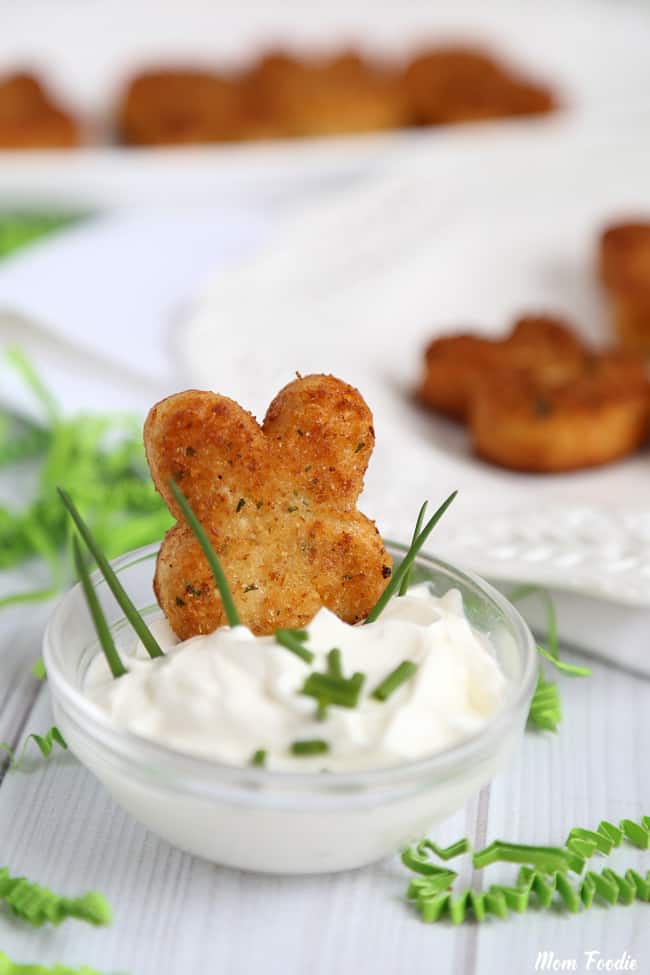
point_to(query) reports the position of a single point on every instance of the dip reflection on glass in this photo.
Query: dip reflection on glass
(230, 695)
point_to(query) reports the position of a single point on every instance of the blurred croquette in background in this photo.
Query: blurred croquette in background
(284, 94)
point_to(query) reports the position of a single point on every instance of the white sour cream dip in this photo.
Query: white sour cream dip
(226, 695)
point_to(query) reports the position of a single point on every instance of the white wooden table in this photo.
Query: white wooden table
(176, 914)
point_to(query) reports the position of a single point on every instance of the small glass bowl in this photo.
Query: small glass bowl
(282, 822)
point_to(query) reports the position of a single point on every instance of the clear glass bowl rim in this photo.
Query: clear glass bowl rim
(140, 752)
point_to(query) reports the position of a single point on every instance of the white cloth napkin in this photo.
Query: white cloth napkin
(99, 302)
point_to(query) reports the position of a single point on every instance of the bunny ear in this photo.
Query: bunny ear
(210, 446)
(320, 430)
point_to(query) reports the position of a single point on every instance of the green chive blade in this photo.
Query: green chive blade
(293, 640)
(398, 576)
(309, 746)
(104, 635)
(406, 581)
(113, 583)
(335, 663)
(259, 758)
(395, 679)
(215, 565)
(341, 691)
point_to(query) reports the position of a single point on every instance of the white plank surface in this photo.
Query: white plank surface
(175, 913)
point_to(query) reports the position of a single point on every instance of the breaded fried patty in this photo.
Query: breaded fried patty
(181, 106)
(446, 85)
(539, 399)
(29, 118)
(343, 94)
(598, 416)
(278, 503)
(284, 95)
(280, 96)
(539, 346)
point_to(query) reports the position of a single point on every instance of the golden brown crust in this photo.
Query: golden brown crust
(539, 346)
(539, 399)
(284, 95)
(631, 318)
(339, 95)
(463, 84)
(279, 96)
(454, 364)
(602, 414)
(30, 119)
(624, 270)
(278, 502)
(179, 106)
(624, 257)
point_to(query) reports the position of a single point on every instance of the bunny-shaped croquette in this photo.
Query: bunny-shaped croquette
(278, 503)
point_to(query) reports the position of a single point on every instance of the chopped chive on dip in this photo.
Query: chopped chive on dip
(309, 746)
(335, 663)
(395, 679)
(335, 690)
(293, 640)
